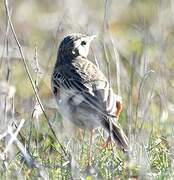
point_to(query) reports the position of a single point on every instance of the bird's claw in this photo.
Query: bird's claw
(106, 144)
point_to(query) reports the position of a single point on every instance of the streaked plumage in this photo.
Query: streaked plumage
(82, 92)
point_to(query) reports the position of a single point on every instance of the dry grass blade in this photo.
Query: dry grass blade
(29, 75)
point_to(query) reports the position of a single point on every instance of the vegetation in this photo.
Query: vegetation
(134, 44)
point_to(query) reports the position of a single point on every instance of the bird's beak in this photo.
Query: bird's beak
(92, 37)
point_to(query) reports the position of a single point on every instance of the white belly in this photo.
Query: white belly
(77, 112)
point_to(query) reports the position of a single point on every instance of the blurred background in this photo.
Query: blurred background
(134, 43)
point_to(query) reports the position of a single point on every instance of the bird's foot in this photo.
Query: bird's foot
(106, 144)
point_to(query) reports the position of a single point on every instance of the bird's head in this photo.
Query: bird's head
(74, 45)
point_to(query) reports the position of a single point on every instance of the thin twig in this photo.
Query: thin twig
(14, 136)
(147, 74)
(95, 59)
(117, 61)
(105, 20)
(7, 74)
(29, 75)
(34, 111)
(5, 39)
(13, 139)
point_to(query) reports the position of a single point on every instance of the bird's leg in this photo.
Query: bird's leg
(105, 145)
(109, 139)
(90, 149)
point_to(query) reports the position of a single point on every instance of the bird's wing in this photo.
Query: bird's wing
(86, 79)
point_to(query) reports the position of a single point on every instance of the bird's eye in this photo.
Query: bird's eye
(83, 43)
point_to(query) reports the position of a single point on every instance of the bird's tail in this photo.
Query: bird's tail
(117, 133)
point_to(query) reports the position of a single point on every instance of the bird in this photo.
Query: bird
(83, 93)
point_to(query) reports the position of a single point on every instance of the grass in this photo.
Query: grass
(136, 47)
(149, 161)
